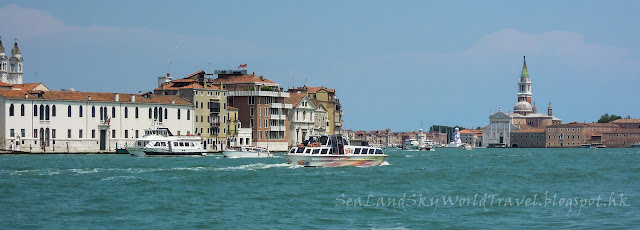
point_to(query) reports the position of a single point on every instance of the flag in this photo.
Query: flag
(242, 66)
(108, 121)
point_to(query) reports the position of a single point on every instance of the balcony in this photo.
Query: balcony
(257, 94)
(277, 128)
(277, 117)
(338, 124)
(281, 106)
(215, 124)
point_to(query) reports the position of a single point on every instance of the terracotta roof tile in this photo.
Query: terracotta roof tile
(294, 99)
(2, 84)
(231, 108)
(470, 131)
(528, 131)
(623, 131)
(312, 89)
(27, 86)
(84, 96)
(626, 121)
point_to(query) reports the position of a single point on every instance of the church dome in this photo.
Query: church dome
(522, 106)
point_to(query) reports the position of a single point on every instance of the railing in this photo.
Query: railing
(281, 106)
(257, 93)
(276, 128)
(277, 117)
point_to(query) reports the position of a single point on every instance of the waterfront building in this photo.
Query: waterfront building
(210, 103)
(261, 106)
(326, 97)
(471, 137)
(621, 138)
(321, 118)
(11, 68)
(524, 116)
(528, 138)
(576, 134)
(71, 122)
(233, 125)
(301, 118)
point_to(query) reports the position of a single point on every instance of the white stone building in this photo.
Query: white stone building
(321, 117)
(68, 121)
(301, 118)
(11, 68)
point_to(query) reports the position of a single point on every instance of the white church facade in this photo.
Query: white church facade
(524, 116)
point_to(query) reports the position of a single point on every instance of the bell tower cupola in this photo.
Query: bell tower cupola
(15, 65)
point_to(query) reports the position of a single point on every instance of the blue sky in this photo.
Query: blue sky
(394, 64)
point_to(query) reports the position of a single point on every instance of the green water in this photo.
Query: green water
(119, 191)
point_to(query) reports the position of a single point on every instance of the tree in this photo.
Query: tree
(606, 118)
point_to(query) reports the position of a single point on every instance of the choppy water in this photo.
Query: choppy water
(118, 191)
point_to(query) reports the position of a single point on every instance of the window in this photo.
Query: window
(251, 123)
(165, 113)
(11, 110)
(22, 110)
(80, 111)
(93, 133)
(252, 100)
(126, 133)
(178, 114)
(113, 133)
(259, 124)
(35, 110)
(47, 110)
(53, 110)
(136, 112)
(150, 113)
(80, 133)
(266, 124)
(41, 112)
(35, 133)
(126, 112)
(196, 104)
(93, 112)
(265, 112)
(53, 133)
(137, 133)
(69, 111)
(68, 133)
(188, 114)
(12, 133)
(113, 112)
(260, 112)
(251, 112)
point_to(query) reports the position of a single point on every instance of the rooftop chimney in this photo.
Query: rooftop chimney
(133, 98)
(117, 97)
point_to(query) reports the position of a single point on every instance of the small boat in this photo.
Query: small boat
(411, 144)
(598, 146)
(588, 146)
(246, 152)
(636, 145)
(466, 146)
(161, 142)
(333, 151)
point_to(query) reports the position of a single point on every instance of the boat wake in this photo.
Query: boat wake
(253, 167)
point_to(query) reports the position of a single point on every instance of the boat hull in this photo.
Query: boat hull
(334, 160)
(243, 154)
(162, 152)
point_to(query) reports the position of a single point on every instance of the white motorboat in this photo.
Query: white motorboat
(246, 152)
(160, 142)
(333, 151)
(411, 144)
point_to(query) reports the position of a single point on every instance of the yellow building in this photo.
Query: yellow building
(210, 103)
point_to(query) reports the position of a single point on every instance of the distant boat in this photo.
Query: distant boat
(636, 145)
(160, 142)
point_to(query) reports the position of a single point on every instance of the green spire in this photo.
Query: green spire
(525, 72)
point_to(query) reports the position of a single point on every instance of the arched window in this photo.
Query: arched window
(11, 110)
(113, 112)
(69, 111)
(35, 110)
(136, 113)
(165, 113)
(101, 113)
(155, 113)
(22, 110)
(188, 114)
(126, 112)
(150, 113)
(80, 112)
(47, 110)
(160, 114)
(93, 111)
(41, 112)
(178, 114)
(53, 110)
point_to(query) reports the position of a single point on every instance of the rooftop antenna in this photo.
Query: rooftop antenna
(169, 66)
